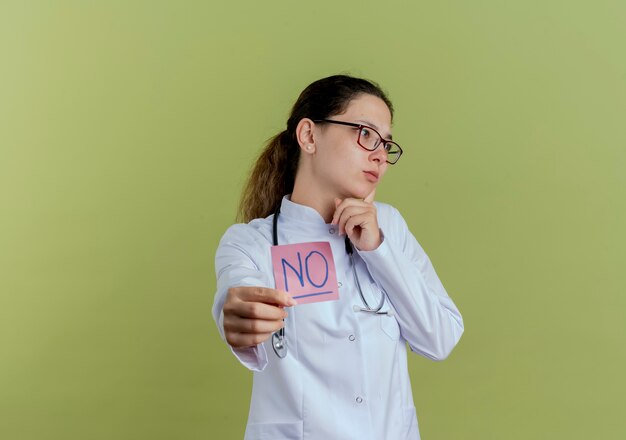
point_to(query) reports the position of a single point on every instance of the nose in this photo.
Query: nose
(379, 155)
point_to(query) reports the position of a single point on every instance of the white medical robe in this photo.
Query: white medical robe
(345, 375)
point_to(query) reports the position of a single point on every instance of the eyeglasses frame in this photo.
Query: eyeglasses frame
(360, 126)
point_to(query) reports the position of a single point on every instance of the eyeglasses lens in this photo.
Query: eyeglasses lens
(370, 140)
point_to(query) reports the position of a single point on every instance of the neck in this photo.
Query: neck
(315, 198)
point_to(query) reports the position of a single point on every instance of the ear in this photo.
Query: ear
(304, 135)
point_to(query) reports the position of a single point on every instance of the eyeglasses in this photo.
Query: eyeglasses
(370, 139)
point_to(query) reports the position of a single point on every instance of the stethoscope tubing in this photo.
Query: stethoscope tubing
(279, 343)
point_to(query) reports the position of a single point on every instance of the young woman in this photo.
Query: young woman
(332, 369)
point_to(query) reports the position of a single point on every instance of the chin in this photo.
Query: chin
(359, 193)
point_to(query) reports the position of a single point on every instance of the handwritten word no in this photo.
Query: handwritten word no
(298, 272)
(306, 271)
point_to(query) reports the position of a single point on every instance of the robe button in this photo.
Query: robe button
(351, 337)
(359, 400)
(331, 230)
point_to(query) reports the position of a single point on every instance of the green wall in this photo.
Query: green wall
(127, 129)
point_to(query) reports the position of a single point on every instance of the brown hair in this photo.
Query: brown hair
(274, 172)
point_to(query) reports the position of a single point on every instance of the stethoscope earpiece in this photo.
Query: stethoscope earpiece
(377, 312)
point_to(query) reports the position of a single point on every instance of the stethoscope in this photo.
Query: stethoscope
(279, 343)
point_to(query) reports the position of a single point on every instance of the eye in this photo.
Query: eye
(365, 133)
(388, 146)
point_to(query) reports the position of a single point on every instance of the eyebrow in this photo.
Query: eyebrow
(389, 137)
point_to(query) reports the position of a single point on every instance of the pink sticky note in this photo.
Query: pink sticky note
(306, 271)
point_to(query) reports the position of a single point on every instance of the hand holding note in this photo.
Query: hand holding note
(252, 314)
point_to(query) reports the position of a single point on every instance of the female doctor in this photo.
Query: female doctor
(332, 369)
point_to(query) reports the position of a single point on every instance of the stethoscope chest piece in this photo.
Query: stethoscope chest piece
(278, 344)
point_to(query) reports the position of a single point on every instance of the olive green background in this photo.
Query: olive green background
(127, 130)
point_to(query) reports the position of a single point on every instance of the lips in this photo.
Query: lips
(372, 176)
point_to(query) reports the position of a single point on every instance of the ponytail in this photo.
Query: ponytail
(272, 177)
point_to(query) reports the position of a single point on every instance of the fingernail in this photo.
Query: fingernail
(292, 302)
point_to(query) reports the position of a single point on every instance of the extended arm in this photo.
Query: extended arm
(247, 311)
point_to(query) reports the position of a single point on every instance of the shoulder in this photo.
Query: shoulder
(393, 225)
(387, 214)
(245, 244)
(258, 231)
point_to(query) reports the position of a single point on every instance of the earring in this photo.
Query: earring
(308, 147)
